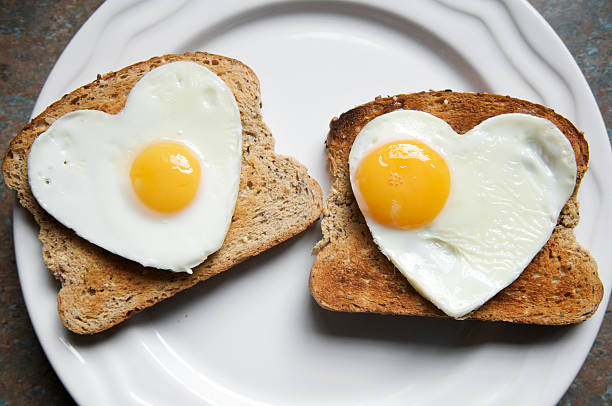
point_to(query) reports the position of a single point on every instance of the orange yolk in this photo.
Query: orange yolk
(404, 184)
(165, 176)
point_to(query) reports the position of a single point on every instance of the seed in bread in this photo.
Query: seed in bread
(276, 200)
(350, 273)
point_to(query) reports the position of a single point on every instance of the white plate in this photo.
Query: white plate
(253, 335)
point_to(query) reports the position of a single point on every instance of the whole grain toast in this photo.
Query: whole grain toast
(560, 286)
(276, 200)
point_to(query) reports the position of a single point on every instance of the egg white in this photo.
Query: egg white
(79, 168)
(510, 177)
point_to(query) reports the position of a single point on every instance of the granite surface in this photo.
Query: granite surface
(32, 36)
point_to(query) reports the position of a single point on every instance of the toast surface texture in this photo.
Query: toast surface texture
(560, 286)
(277, 199)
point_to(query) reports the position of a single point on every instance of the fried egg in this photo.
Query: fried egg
(157, 182)
(461, 216)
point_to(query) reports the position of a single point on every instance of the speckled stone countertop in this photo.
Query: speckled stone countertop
(32, 36)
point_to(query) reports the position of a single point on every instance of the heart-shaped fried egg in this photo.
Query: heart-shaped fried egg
(157, 182)
(461, 216)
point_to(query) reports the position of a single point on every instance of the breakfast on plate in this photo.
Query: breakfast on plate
(151, 179)
(163, 174)
(457, 205)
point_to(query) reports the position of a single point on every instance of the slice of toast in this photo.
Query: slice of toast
(560, 286)
(276, 200)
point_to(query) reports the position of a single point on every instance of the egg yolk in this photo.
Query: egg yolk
(165, 176)
(404, 184)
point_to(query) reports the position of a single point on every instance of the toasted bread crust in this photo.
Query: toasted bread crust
(560, 286)
(276, 200)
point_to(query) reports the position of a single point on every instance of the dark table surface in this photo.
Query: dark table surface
(32, 36)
